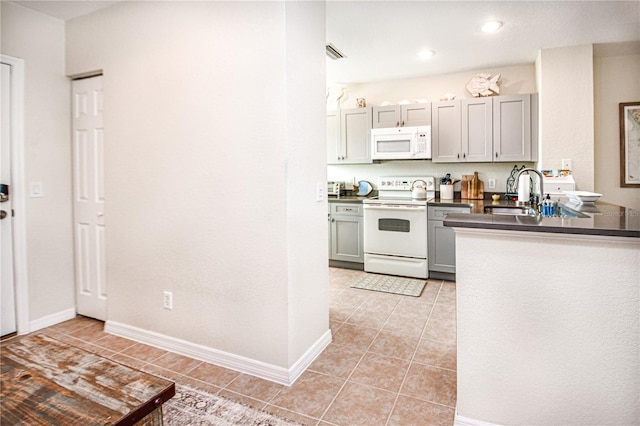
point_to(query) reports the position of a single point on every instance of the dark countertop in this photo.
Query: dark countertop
(349, 198)
(346, 199)
(603, 219)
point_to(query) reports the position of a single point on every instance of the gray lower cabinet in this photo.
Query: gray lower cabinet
(441, 239)
(346, 242)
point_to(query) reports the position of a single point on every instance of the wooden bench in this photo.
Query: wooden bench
(48, 382)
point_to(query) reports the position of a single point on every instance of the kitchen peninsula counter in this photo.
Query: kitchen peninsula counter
(548, 323)
(603, 219)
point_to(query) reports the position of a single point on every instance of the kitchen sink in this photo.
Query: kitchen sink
(561, 211)
(511, 210)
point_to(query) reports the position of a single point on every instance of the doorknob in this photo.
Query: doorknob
(3, 214)
(4, 193)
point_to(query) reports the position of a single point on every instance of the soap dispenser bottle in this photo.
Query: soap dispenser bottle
(548, 207)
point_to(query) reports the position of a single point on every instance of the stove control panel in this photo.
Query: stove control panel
(403, 183)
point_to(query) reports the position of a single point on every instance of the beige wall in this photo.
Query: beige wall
(211, 173)
(616, 75)
(514, 79)
(39, 40)
(567, 111)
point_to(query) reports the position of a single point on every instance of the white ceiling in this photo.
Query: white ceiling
(65, 9)
(381, 39)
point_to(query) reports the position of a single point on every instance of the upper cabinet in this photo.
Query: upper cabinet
(333, 137)
(514, 128)
(446, 128)
(349, 136)
(477, 131)
(401, 115)
(500, 128)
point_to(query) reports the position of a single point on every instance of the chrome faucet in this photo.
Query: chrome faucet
(539, 178)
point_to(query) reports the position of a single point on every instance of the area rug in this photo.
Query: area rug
(194, 407)
(390, 284)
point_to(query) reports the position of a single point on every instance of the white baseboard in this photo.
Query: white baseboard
(53, 319)
(224, 359)
(466, 421)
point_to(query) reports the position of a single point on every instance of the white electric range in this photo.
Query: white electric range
(395, 227)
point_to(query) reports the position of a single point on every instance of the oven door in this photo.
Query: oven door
(395, 230)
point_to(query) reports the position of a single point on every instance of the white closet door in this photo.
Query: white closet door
(89, 203)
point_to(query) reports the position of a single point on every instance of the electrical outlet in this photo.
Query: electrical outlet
(167, 300)
(492, 184)
(566, 164)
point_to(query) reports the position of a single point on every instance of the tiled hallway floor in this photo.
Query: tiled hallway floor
(392, 361)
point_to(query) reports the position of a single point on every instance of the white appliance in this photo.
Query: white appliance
(401, 143)
(395, 228)
(556, 186)
(334, 188)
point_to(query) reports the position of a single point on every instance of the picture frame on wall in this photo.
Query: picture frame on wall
(629, 144)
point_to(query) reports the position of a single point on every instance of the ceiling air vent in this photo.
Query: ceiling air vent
(333, 52)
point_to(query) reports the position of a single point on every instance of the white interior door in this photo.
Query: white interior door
(88, 180)
(7, 293)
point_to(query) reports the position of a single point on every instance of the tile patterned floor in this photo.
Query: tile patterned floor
(392, 361)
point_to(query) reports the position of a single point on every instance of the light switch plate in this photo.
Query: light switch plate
(35, 190)
(320, 189)
(566, 164)
(492, 184)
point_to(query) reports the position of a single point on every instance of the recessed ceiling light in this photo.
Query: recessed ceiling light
(426, 54)
(491, 26)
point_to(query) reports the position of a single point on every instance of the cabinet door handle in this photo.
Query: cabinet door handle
(397, 124)
(464, 155)
(496, 155)
(403, 123)
(458, 155)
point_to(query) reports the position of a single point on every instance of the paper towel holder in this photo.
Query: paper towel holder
(541, 183)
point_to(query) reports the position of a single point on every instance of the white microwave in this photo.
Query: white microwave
(401, 143)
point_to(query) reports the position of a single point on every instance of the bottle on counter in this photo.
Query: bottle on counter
(548, 207)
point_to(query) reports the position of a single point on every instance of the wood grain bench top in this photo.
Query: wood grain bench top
(47, 382)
